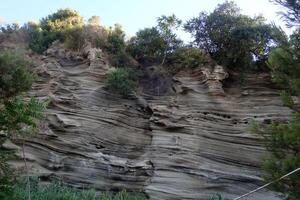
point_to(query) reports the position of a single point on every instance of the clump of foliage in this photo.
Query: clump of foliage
(18, 116)
(10, 28)
(15, 76)
(37, 40)
(121, 59)
(284, 63)
(154, 45)
(74, 38)
(6, 174)
(147, 46)
(283, 139)
(61, 20)
(115, 45)
(115, 40)
(119, 81)
(287, 99)
(216, 197)
(187, 57)
(53, 27)
(166, 26)
(57, 190)
(292, 14)
(232, 39)
(283, 142)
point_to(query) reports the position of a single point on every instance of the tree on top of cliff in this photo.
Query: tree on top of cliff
(153, 45)
(147, 46)
(231, 38)
(166, 26)
(53, 27)
(62, 19)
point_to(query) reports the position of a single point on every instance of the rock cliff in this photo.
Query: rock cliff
(192, 141)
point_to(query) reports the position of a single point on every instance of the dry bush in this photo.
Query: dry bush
(77, 37)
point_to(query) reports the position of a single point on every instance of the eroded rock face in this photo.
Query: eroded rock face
(193, 143)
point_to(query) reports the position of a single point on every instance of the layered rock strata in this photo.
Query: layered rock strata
(189, 144)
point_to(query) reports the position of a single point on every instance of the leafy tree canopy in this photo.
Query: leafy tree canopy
(166, 26)
(233, 39)
(147, 46)
(283, 139)
(153, 45)
(62, 19)
(292, 15)
(284, 62)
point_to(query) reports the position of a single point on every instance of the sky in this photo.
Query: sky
(133, 15)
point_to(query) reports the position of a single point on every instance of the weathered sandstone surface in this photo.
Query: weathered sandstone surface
(188, 142)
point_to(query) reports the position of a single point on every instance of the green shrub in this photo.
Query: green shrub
(287, 99)
(282, 141)
(59, 191)
(19, 115)
(37, 41)
(6, 173)
(15, 75)
(216, 197)
(254, 127)
(121, 59)
(120, 82)
(187, 57)
(114, 41)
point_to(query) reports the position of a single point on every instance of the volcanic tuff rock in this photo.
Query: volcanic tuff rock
(191, 143)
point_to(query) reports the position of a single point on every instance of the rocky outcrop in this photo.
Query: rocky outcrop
(192, 143)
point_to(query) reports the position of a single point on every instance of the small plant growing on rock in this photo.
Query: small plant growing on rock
(287, 99)
(119, 81)
(216, 197)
